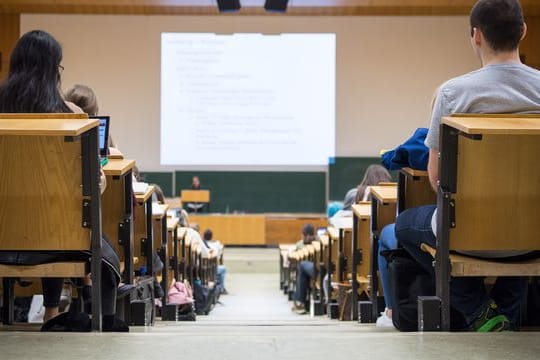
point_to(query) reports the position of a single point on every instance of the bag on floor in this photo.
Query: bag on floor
(179, 294)
(69, 322)
(37, 310)
(533, 303)
(204, 298)
(408, 280)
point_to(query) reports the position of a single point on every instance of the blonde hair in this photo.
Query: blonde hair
(83, 97)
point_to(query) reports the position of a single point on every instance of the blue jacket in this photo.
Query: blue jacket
(412, 153)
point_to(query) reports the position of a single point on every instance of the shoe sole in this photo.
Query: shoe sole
(495, 324)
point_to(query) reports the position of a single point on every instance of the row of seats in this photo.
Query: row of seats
(497, 211)
(51, 201)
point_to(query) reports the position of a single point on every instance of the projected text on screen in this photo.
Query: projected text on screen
(247, 99)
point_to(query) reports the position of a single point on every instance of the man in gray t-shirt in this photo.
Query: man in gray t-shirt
(502, 85)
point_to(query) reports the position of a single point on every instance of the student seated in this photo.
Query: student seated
(387, 241)
(306, 271)
(85, 98)
(373, 175)
(32, 86)
(502, 85)
(216, 247)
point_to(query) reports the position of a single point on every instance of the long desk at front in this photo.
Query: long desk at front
(233, 229)
(257, 229)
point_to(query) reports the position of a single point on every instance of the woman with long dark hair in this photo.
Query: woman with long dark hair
(33, 86)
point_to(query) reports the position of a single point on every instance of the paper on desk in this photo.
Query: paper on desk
(340, 222)
(157, 209)
(140, 187)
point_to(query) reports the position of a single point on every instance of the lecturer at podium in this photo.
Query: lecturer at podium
(194, 207)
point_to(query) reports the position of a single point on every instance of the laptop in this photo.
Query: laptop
(103, 138)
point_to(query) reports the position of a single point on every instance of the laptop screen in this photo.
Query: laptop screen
(103, 134)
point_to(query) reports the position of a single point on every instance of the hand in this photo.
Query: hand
(102, 181)
(115, 151)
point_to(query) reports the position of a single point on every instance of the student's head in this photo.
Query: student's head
(308, 233)
(195, 227)
(500, 22)
(84, 97)
(208, 235)
(136, 173)
(195, 182)
(374, 174)
(159, 194)
(184, 218)
(350, 199)
(33, 81)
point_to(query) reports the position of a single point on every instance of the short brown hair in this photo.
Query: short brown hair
(83, 97)
(500, 21)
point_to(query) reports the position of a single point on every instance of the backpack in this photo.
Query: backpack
(179, 294)
(408, 280)
(532, 314)
(204, 298)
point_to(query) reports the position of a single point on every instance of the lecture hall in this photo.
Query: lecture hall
(278, 179)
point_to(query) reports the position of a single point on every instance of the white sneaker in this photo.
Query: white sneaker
(384, 321)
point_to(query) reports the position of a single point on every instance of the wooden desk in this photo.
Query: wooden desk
(233, 229)
(414, 189)
(486, 177)
(172, 246)
(50, 195)
(361, 251)
(332, 257)
(317, 300)
(144, 237)
(117, 211)
(287, 228)
(117, 215)
(188, 258)
(383, 212)
(160, 225)
(284, 250)
(160, 243)
(344, 243)
(174, 203)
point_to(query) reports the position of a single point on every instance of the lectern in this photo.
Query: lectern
(195, 200)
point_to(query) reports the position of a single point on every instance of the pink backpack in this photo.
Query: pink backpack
(180, 294)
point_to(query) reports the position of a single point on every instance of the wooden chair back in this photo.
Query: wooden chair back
(497, 197)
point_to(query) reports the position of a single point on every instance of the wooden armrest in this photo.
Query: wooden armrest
(362, 279)
(428, 249)
(60, 269)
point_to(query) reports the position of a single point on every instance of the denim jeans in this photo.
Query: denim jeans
(387, 241)
(221, 272)
(467, 294)
(306, 271)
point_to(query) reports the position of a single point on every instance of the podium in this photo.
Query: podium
(195, 200)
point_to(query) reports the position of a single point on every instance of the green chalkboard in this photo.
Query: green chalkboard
(346, 173)
(163, 179)
(258, 192)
